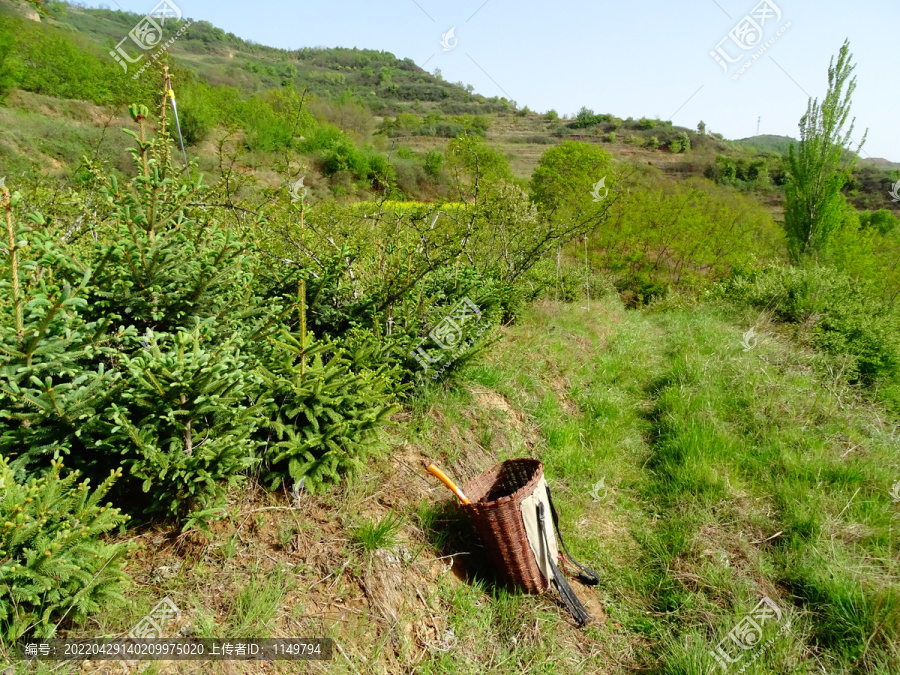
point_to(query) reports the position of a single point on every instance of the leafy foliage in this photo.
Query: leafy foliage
(63, 65)
(818, 170)
(843, 317)
(663, 233)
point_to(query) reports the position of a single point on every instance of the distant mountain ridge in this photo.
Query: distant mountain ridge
(782, 144)
(768, 143)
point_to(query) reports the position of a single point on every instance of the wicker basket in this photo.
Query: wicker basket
(496, 496)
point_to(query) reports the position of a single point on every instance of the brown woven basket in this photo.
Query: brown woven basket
(496, 496)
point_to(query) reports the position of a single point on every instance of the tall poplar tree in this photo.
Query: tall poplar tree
(821, 164)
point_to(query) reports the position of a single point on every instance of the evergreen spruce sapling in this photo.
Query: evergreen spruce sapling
(54, 379)
(323, 416)
(53, 561)
(184, 423)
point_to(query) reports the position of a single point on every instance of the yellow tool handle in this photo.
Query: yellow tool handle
(441, 476)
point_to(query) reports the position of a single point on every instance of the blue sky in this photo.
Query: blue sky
(626, 58)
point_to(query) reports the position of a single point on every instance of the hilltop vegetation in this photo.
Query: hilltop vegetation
(382, 82)
(250, 355)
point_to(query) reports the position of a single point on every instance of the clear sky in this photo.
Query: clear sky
(628, 58)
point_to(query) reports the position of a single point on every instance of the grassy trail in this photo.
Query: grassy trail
(728, 475)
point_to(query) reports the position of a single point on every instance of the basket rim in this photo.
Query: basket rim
(532, 482)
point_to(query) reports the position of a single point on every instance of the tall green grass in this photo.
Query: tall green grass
(733, 475)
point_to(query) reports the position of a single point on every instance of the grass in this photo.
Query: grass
(372, 535)
(731, 476)
(734, 476)
(256, 605)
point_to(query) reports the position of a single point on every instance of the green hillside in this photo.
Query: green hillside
(767, 143)
(231, 341)
(382, 82)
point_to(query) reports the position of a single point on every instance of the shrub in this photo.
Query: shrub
(640, 289)
(726, 169)
(408, 121)
(51, 392)
(690, 230)
(381, 173)
(321, 138)
(53, 562)
(758, 170)
(77, 379)
(410, 176)
(448, 129)
(585, 118)
(434, 161)
(62, 64)
(324, 416)
(183, 424)
(545, 280)
(267, 131)
(843, 316)
(471, 154)
(883, 221)
(345, 156)
(565, 176)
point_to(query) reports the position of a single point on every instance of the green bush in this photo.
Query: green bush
(9, 75)
(54, 379)
(53, 561)
(843, 316)
(267, 131)
(585, 118)
(62, 64)
(705, 231)
(183, 425)
(321, 138)
(324, 416)
(198, 114)
(130, 352)
(345, 156)
(883, 221)
(434, 161)
(545, 280)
